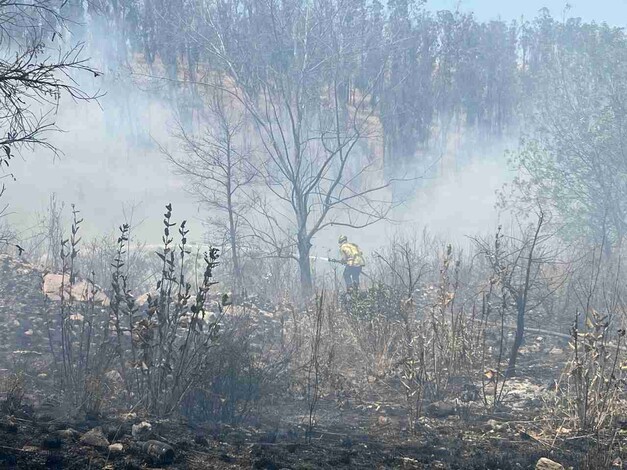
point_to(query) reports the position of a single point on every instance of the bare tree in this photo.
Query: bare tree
(320, 170)
(6, 234)
(518, 266)
(34, 74)
(218, 162)
(33, 77)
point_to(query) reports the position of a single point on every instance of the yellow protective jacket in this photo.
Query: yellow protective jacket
(352, 255)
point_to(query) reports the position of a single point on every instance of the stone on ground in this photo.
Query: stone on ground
(548, 464)
(95, 438)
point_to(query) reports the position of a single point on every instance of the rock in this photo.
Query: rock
(494, 425)
(141, 431)
(94, 438)
(116, 448)
(67, 433)
(548, 464)
(80, 291)
(114, 376)
(143, 299)
(158, 452)
(563, 431)
(441, 409)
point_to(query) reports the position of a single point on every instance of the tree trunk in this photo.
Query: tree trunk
(237, 272)
(521, 297)
(303, 240)
(518, 338)
(304, 265)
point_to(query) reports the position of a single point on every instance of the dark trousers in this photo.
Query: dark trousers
(351, 277)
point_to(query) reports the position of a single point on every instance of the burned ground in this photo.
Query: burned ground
(352, 426)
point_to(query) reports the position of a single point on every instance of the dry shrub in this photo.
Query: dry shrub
(374, 320)
(172, 341)
(592, 383)
(238, 376)
(84, 353)
(13, 391)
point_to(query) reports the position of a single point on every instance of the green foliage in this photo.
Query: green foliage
(574, 162)
(171, 345)
(378, 301)
(161, 351)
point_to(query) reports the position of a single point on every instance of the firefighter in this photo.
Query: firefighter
(353, 260)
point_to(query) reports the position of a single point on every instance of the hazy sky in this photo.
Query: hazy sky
(611, 11)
